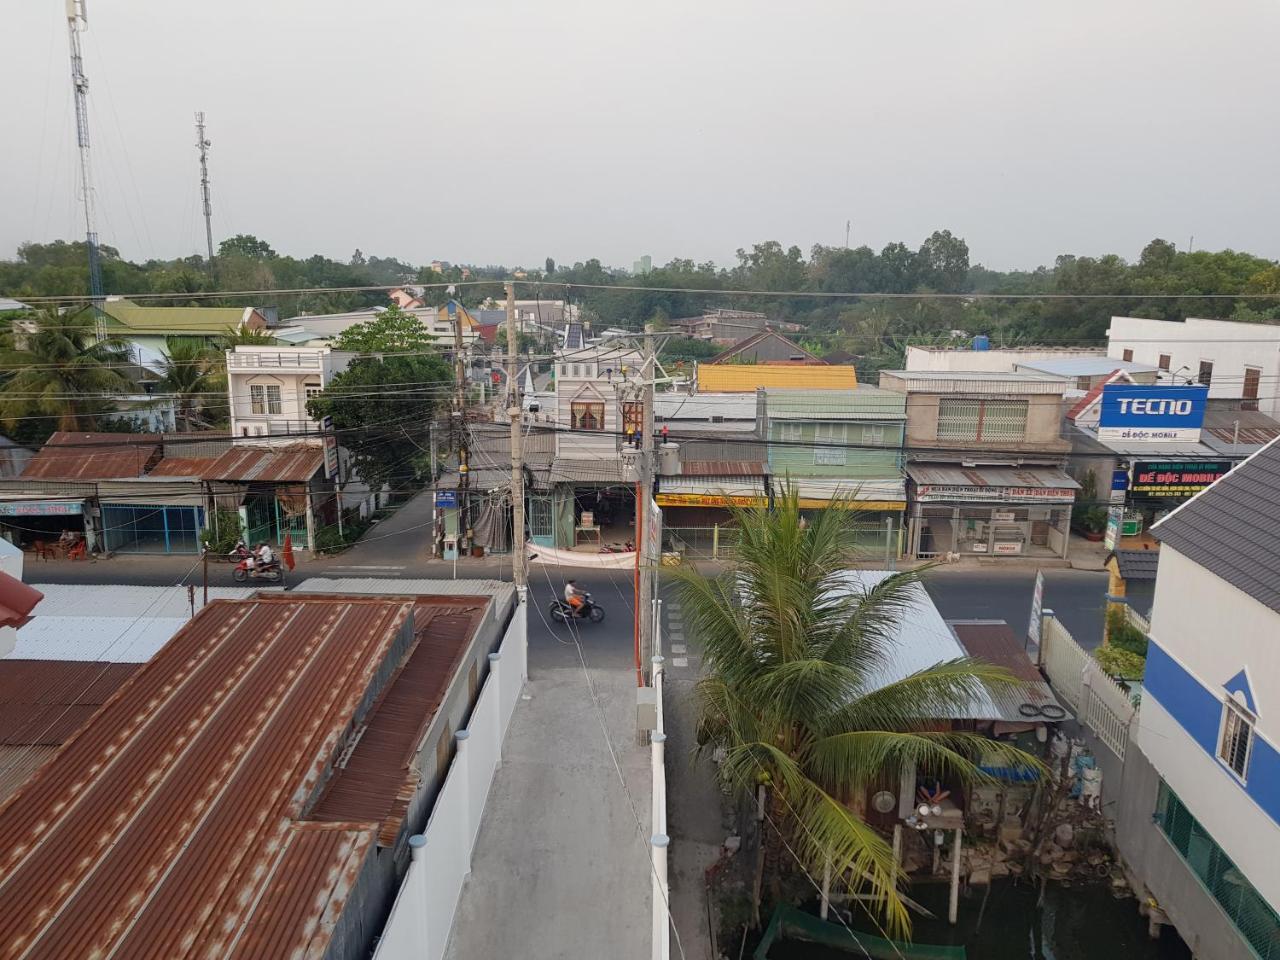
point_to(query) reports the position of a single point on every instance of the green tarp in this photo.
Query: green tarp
(788, 923)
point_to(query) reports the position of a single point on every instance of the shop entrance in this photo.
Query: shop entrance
(151, 528)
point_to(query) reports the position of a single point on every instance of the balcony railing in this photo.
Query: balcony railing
(274, 361)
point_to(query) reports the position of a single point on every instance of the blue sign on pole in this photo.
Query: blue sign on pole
(1141, 412)
(446, 498)
(1119, 480)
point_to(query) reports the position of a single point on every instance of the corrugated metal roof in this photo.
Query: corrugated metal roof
(114, 639)
(994, 642)
(757, 338)
(679, 407)
(1095, 366)
(565, 470)
(190, 320)
(1232, 527)
(295, 463)
(740, 377)
(954, 475)
(91, 456)
(369, 786)
(972, 382)
(723, 468)
(87, 602)
(156, 831)
(183, 467)
(44, 702)
(864, 403)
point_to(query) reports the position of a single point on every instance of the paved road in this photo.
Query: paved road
(1077, 597)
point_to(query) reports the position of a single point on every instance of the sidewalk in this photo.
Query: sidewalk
(561, 867)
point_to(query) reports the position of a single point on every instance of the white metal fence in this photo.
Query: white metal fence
(658, 815)
(420, 921)
(1098, 701)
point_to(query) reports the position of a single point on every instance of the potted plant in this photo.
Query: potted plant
(1094, 523)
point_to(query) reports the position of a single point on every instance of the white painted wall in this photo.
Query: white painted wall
(1248, 835)
(293, 370)
(997, 361)
(1228, 345)
(1213, 629)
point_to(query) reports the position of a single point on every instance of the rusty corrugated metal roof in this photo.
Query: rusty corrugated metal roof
(370, 785)
(723, 468)
(994, 642)
(157, 830)
(91, 456)
(183, 467)
(45, 701)
(296, 463)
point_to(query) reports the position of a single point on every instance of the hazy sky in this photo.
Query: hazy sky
(494, 131)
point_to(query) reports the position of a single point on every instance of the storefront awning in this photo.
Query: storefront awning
(816, 493)
(684, 491)
(947, 484)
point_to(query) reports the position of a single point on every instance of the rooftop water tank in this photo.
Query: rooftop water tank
(982, 342)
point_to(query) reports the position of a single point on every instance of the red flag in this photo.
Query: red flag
(287, 551)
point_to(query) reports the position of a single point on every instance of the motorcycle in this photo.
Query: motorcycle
(562, 612)
(248, 569)
(239, 552)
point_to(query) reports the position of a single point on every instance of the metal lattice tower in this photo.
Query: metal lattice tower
(203, 144)
(76, 24)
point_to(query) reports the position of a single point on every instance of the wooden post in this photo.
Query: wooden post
(953, 908)
(897, 845)
(826, 889)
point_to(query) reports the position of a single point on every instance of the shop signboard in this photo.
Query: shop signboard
(331, 462)
(1115, 516)
(939, 492)
(1037, 609)
(1175, 478)
(41, 508)
(1007, 546)
(1144, 413)
(708, 500)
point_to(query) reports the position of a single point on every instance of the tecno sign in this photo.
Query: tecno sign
(1155, 408)
(1143, 413)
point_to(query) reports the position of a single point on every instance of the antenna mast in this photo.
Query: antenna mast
(202, 144)
(77, 22)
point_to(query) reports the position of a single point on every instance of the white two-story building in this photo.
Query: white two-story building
(1236, 361)
(1209, 724)
(268, 387)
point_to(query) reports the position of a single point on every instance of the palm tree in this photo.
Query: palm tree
(57, 367)
(790, 696)
(189, 371)
(245, 335)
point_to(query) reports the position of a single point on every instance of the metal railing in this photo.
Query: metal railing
(275, 361)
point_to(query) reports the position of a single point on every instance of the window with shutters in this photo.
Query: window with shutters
(1249, 396)
(1128, 355)
(827, 444)
(873, 434)
(789, 432)
(981, 420)
(1165, 361)
(1237, 738)
(1206, 373)
(257, 398)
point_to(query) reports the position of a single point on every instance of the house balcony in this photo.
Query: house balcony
(272, 361)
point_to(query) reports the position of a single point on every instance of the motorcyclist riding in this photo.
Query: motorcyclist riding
(573, 596)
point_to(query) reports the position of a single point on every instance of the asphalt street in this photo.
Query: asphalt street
(1077, 597)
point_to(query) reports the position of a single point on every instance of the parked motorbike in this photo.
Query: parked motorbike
(562, 612)
(257, 571)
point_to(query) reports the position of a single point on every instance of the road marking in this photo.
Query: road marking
(679, 661)
(679, 648)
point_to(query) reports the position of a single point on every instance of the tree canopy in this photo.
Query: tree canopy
(392, 330)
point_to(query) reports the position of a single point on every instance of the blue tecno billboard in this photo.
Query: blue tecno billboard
(1138, 412)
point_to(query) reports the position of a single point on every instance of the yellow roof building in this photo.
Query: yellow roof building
(742, 377)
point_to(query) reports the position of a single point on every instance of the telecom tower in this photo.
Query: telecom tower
(77, 22)
(203, 146)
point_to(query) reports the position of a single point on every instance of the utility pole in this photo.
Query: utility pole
(460, 423)
(519, 553)
(76, 24)
(203, 144)
(645, 561)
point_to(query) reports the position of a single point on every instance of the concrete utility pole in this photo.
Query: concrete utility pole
(460, 423)
(519, 554)
(646, 562)
(203, 144)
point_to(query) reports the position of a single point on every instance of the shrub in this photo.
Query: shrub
(1124, 635)
(1120, 663)
(228, 527)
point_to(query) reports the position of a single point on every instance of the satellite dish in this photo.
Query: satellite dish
(884, 802)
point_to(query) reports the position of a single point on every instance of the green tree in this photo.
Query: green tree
(63, 371)
(246, 245)
(392, 330)
(190, 372)
(236, 336)
(943, 262)
(382, 406)
(791, 654)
